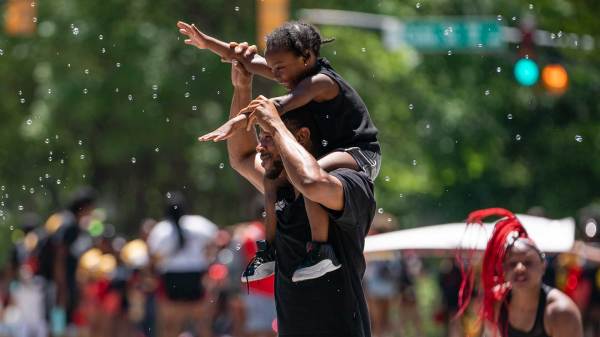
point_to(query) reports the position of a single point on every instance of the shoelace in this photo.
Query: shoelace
(256, 259)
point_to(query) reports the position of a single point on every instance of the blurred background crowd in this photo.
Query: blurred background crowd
(71, 273)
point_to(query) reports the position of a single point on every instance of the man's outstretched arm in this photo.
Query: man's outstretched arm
(241, 147)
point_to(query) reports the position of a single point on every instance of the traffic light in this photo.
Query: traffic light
(555, 78)
(270, 15)
(20, 17)
(527, 72)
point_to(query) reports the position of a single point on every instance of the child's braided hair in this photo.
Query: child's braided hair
(297, 37)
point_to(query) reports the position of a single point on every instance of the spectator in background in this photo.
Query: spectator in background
(179, 247)
(68, 241)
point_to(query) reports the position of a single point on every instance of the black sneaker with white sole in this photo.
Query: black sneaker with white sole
(262, 264)
(320, 259)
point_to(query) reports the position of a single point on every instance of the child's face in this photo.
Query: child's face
(287, 67)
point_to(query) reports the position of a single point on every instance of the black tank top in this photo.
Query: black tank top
(343, 121)
(538, 327)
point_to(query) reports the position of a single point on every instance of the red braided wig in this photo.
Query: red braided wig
(506, 231)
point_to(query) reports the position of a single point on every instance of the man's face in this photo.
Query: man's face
(523, 267)
(269, 156)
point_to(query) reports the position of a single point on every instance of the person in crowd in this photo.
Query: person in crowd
(179, 246)
(515, 302)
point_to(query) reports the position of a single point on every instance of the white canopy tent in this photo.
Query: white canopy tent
(552, 236)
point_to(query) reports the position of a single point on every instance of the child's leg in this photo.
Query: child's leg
(317, 216)
(338, 159)
(318, 219)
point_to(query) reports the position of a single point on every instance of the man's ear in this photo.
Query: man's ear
(303, 137)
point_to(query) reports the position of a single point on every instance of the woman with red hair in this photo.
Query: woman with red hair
(515, 301)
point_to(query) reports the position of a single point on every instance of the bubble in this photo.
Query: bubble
(518, 137)
(509, 116)
(410, 106)
(11, 227)
(103, 50)
(194, 108)
(46, 175)
(414, 162)
(118, 64)
(58, 182)
(418, 5)
(499, 17)
(167, 119)
(264, 214)
(530, 6)
(553, 36)
(514, 18)
(380, 211)
(68, 65)
(49, 158)
(82, 156)
(335, 52)
(168, 195)
(133, 160)
(85, 91)
(154, 87)
(75, 31)
(130, 97)
(449, 52)
(116, 89)
(387, 178)
(237, 8)
(203, 69)
(22, 100)
(49, 91)
(218, 92)
(29, 122)
(479, 45)
(35, 19)
(100, 37)
(1, 52)
(193, 77)
(578, 138)
(221, 165)
(47, 141)
(156, 149)
(2, 187)
(31, 190)
(33, 4)
(324, 143)
(23, 187)
(498, 69)
(487, 92)
(154, 96)
(363, 49)
(62, 161)
(1, 213)
(186, 95)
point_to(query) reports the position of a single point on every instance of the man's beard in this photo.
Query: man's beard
(274, 171)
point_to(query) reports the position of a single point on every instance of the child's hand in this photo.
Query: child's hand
(226, 130)
(195, 36)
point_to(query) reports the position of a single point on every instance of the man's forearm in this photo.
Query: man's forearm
(302, 168)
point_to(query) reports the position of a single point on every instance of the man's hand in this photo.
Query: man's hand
(263, 112)
(195, 37)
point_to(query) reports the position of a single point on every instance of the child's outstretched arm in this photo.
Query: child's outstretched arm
(318, 88)
(257, 64)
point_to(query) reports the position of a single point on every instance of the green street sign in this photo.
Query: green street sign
(450, 34)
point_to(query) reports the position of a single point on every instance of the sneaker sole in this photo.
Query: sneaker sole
(267, 270)
(317, 271)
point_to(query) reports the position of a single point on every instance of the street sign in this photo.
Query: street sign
(447, 34)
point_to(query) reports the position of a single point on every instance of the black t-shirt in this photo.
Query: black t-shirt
(334, 304)
(343, 121)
